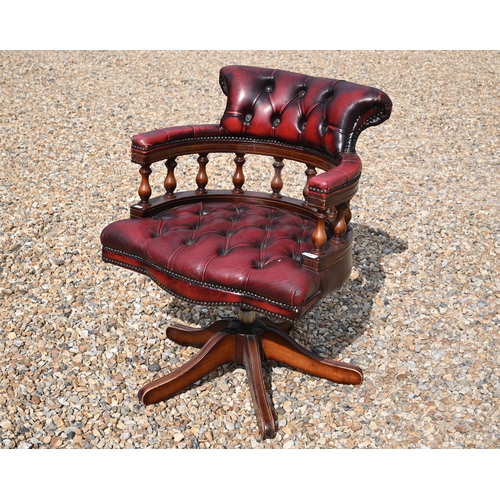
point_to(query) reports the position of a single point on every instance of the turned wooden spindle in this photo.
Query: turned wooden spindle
(202, 177)
(277, 182)
(310, 172)
(145, 188)
(340, 225)
(170, 183)
(238, 177)
(348, 213)
(319, 236)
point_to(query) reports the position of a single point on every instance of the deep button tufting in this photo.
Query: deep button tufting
(273, 215)
(248, 118)
(269, 227)
(207, 258)
(299, 238)
(276, 121)
(165, 216)
(323, 127)
(262, 244)
(262, 92)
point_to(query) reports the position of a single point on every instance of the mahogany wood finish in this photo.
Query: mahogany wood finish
(230, 341)
(259, 251)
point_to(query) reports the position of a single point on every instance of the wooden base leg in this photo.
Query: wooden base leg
(253, 365)
(280, 347)
(231, 341)
(195, 337)
(218, 351)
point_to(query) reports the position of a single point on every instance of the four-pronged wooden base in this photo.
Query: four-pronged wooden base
(233, 341)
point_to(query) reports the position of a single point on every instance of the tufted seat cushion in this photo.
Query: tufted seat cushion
(221, 252)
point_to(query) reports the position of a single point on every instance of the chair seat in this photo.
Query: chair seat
(223, 252)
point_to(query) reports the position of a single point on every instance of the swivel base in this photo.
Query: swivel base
(248, 344)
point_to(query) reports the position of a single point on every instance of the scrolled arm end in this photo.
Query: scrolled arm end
(339, 178)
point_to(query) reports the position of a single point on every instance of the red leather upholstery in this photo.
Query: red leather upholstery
(250, 252)
(348, 170)
(271, 106)
(320, 113)
(157, 139)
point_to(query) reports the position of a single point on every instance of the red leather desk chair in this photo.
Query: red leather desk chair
(263, 252)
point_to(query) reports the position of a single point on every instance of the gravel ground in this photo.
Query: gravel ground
(420, 315)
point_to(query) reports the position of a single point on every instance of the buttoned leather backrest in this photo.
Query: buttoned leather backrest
(320, 113)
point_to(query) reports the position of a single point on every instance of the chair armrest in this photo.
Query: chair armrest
(345, 174)
(156, 140)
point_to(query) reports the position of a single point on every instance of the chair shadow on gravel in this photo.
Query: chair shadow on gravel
(345, 313)
(342, 317)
